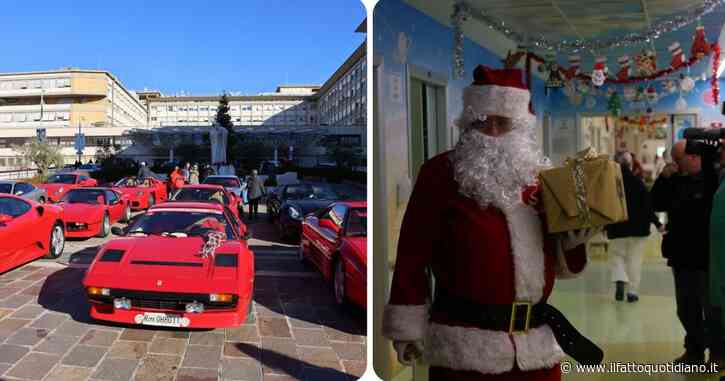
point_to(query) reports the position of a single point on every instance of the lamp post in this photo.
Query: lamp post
(80, 140)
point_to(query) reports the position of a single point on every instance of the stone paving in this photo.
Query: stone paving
(295, 333)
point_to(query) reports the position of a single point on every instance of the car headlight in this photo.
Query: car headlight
(98, 291)
(294, 213)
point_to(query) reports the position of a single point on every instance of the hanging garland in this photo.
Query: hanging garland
(577, 45)
(715, 49)
(715, 86)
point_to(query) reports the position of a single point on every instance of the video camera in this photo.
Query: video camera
(696, 138)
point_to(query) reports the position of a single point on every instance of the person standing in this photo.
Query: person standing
(186, 172)
(144, 172)
(255, 192)
(473, 221)
(176, 180)
(194, 175)
(628, 238)
(684, 190)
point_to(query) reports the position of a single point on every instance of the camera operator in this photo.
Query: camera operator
(685, 190)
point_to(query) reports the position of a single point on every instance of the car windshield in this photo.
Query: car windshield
(6, 188)
(62, 179)
(180, 224)
(200, 194)
(130, 182)
(84, 196)
(357, 224)
(223, 181)
(300, 192)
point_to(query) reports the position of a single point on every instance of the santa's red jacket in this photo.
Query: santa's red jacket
(488, 256)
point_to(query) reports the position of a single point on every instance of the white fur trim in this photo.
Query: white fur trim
(537, 349)
(405, 322)
(503, 101)
(527, 244)
(490, 352)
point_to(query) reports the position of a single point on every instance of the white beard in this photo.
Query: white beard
(494, 170)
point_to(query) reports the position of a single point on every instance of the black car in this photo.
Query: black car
(291, 203)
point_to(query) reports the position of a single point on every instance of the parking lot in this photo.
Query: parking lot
(296, 331)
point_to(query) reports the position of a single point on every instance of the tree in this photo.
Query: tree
(43, 155)
(223, 119)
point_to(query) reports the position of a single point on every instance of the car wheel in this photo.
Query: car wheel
(56, 244)
(105, 227)
(339, 282)
(127, 214)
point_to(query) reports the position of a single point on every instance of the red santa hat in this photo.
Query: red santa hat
(500, 92)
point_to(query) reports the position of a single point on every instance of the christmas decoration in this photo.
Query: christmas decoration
(461, 12)
(646, 63)
(577, 45)
(614, 104)
(700, 47)
(686, 83)
(678, 57)
(651, 94)
(550, 66)
(573, 71)
(512, 60)
(599, 74)
(624, 71)
(629, 93)
(670, 86)
(714, 85)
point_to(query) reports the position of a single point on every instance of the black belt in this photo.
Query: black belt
(517, 318)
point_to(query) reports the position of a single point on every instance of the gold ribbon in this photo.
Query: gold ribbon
(580, 190)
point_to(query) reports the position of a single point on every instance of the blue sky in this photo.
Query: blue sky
(200, 47)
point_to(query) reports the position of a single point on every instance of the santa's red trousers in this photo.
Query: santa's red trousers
(445, 374)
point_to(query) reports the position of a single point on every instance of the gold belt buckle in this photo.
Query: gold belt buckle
(512, 324)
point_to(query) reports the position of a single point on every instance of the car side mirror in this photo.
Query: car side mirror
(40, 210)
(117, 230)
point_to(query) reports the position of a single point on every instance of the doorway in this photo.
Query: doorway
(427, 117)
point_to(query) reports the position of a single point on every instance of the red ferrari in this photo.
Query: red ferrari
(335, 241)
(141, 194)
(28, 231)
(209, 192)
(91, 211)
(60, 183)
(181, 264)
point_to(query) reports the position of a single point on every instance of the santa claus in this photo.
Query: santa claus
(473, 221)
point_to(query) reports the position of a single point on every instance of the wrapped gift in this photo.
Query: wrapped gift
(586, 192)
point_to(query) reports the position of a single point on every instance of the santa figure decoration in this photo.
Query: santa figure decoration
(473, 220)
(599, 74)
(651, 94)
(700, 48)
(573, 70)
(624, 70)
(678, 57)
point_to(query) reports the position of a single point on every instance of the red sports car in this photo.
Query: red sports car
(335, 241)
(91, 211)
(209, 192)
(60, 183)
(181, 264)
(142, 194)
(28, 231)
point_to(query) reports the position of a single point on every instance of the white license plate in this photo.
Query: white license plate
(162, 319)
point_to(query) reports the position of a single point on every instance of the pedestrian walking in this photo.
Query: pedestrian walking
(194, 175)
(186, 172)
(628, 238)
(255, 192)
